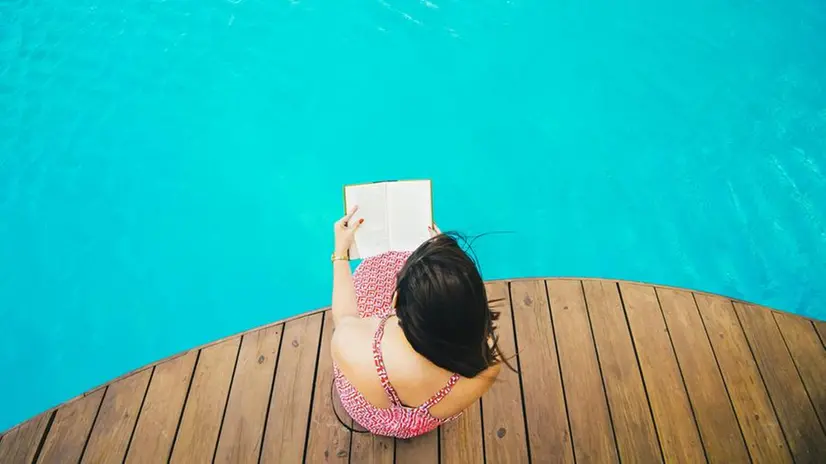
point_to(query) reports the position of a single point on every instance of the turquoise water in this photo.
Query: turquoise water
(170, 170)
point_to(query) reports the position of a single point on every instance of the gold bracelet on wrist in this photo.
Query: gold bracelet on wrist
(337, 257)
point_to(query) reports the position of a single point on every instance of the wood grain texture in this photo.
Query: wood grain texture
(418, 450)
(801, 427)
(631, 416)
(754, 410)
(286, 432)
(70, 429)
(809, 357)
(162, 407)
(329, 440)
(462, 438)
(591, 429)
(701, 359)
(246, 412)
(116, 419)
(505, 440)
(372, 449)
(19, 445)
(544, 399)
(204, 408)
(719, 429)
(667, 395)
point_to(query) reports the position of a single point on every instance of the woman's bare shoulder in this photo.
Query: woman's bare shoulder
(483, 381)
(352, 340)
(466, 392)
(352, 351)
(492, 372)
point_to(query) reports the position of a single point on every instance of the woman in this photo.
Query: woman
(414, 342)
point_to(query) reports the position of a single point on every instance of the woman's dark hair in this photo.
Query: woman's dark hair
(443, 308)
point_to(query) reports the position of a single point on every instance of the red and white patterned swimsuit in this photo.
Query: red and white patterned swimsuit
(375, 281)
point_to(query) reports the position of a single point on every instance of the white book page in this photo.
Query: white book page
(372, 237)
(410, 211)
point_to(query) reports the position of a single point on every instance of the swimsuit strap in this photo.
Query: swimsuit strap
(385, 380)
(440, 395)
(379, 361)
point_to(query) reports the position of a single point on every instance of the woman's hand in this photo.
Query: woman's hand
(434, 230)
(345, 232)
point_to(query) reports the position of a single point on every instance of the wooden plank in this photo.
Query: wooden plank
(821, 330)
(545, 408)
(204, 408)
(591, 429)
(713, 410)
(19, 445)
(808, 355)
(630, 413)
(246, 412)
(372, 449)
(116, 419)
(797, 416)
(755, 414)
(419, 450)
(328, 441)
(158, 419)
(70, 429)
(679, 438)
(505, 439)
(286, 431)
(461, 439)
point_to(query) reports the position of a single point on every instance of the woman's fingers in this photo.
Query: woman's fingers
(343, 221)
(351, 212)
(434, 230)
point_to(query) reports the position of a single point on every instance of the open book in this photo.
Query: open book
(396, 216)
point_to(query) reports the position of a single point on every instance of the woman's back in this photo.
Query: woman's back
(385, 384)
(414, 379)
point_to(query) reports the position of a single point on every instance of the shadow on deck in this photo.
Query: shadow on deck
(609, 371)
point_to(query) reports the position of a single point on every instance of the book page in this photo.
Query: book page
(372, 237)
(410, 212)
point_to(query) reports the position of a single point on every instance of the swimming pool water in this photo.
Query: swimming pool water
(169, 170)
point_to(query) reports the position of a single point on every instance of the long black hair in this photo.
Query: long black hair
(443, 308)
(444, 311)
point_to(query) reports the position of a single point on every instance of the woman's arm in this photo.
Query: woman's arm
(344, 292)
(345, 303)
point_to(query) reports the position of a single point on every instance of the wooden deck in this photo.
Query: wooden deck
(609, 372)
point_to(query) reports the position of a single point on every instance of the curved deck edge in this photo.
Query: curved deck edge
(323, 309)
